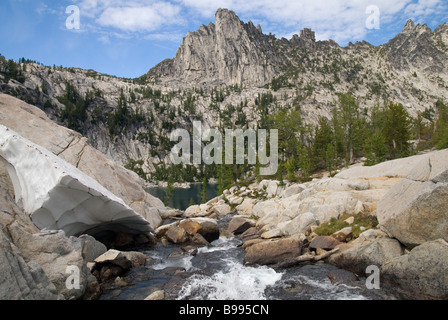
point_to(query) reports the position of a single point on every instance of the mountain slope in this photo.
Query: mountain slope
(221, 73)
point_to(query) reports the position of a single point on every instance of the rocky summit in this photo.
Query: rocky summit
(229, 51)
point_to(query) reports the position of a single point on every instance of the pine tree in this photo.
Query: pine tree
(376, 150)
(225, 177)
(330, 158)
(397, 130)
(323, 145)
(169, 191)
(440, 137)
(204, 190)
(291, 168)
(348, 114)
(192, 202)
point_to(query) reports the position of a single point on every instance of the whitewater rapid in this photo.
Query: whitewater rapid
(233, 282)
(217, 272)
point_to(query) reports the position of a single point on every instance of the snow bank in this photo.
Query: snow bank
(59, 196)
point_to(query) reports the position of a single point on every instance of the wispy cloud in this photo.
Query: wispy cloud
(165, 36)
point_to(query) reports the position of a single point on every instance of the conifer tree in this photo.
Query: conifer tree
(204, 190)
(440, 137)
(397, 130)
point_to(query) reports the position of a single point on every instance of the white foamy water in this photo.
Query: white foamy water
(235, 282)
(182, 262)
(323, 289)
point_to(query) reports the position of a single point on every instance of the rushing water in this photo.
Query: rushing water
(225, 277)
(217, 273)
(182, 198)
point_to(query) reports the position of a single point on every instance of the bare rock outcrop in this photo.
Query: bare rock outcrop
(228, 52)
(422, 272)
(414, 210)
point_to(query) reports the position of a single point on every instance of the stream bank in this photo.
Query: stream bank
(218, 272)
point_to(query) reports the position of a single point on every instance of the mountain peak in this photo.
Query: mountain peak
(409, 26)
(223, 13)
(228, 52)
(228, 22)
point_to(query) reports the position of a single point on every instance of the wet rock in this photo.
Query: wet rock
(156, 295)
(93, 289)
(342, 277)
(274, 251)
(178, 253)
(161, 231)
(200, 240)
(116, 258)
(108, 272)
(137, 258)
(119, 282)
(240, 224)
(209, 228)
(176, 235)
(190, 226)
(251, 232)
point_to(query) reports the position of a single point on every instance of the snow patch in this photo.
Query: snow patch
(58, 196)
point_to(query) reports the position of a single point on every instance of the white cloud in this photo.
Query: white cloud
(423, 9)
(131, 16)
(140, 18)
(340, 20)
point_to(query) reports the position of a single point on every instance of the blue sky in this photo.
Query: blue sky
(127, 38)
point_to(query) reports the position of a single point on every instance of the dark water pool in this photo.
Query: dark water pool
(182, 198)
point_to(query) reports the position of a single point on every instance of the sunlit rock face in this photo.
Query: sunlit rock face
(58, 196)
